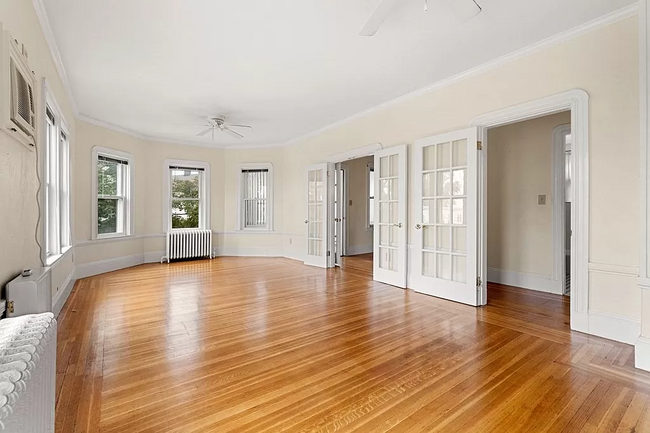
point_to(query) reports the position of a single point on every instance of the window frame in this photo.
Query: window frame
(369, 168)
(204, 193)
(55, 191)
(129, 217)
(241, 226)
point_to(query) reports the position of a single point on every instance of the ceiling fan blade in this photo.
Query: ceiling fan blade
(231, 132)
(464, 10)
(378, 17)
(202, 133)
(239, 126)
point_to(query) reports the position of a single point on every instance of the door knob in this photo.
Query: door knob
(398, 225)
(418, 226)
(306, 221)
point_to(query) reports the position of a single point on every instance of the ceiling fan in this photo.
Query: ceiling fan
(219, 124)
(464, 10)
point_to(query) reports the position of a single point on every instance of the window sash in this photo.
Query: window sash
(201, 223)
(56, 174)
(255, 184)
(121, 197)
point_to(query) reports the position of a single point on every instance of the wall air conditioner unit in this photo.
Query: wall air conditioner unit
(18, 105)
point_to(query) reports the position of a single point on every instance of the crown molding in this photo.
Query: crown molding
(557, 39)
(39, 8)
(151, 138)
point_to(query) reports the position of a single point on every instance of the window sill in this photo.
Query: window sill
(252, 230)
(111, 236)
(51, 260)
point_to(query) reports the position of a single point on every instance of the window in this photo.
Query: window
(186, 195)
(112, 192)
(256, 190)
(371, 196)
(56, 176)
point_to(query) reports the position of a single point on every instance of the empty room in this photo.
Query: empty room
(288, 216)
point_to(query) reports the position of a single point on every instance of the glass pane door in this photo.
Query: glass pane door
(390, 211)
(445, 224)
(316, 221)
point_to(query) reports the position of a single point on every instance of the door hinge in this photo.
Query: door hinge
(479, 145)
(328, 173)
(10, 307)
(328, 254)
(479, 283)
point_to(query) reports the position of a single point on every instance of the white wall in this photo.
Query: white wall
(604, 63)
(148, 169)
(359, 236)
(18, 180)
(520, 167)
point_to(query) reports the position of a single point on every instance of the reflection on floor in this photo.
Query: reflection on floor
(259, 344)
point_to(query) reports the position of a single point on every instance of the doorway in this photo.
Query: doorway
(353, 208)
(527, 191)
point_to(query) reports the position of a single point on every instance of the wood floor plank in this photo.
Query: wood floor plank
(268, 345)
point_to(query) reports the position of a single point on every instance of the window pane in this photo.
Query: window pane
(255, 192)
(107, 216)
(107, 177)
(185, 214)
(185, 183)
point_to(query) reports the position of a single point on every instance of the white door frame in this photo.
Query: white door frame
(577, 101)
(337, 158)
(559, 216)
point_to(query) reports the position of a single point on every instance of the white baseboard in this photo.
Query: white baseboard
(537, 282)
(153, 257)
(613, 327)
(358, 249)
(59, 301)
(249, 251)
(109, 265)
(642, 353)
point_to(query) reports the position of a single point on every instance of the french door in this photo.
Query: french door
(389, 246)
(444, 262)
(318, 222)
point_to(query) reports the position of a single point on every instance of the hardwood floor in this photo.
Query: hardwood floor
(253, 345)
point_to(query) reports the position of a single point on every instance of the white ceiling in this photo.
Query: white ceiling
(286, 67)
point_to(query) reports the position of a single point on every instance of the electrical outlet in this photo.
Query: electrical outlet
(541, 199)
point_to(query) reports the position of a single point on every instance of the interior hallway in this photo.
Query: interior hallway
(258, 344)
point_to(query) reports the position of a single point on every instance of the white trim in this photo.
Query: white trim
(100, 241)
(355, 250)
(205, 202)
(614, 327)
(578, 102)
(39, 8)
(560, 250)
(64, 293)
(129, 225)
(642, 353)
(249, 251)
(557, 39)
(109, 265)
(355, 153)
(48, 100)
(626, 271)
(530, 281)
(270, 208)
(370, 167)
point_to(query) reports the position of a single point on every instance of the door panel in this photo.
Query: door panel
(317, 223)
(389, 246)
(445, 216)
